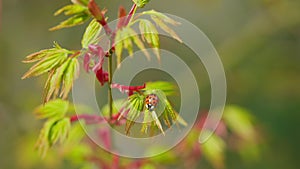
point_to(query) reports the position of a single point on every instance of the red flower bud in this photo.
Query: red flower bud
(128, 89)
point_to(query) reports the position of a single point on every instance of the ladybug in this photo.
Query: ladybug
(151, 101)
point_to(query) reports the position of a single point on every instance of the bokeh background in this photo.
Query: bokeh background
(257, 40)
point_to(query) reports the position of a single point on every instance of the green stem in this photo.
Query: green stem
(110, 100)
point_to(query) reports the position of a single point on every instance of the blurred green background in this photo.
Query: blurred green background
(257, 40)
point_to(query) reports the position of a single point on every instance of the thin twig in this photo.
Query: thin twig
(110, 100)
(130, 14)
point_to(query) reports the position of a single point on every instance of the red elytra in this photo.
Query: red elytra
(151, 101)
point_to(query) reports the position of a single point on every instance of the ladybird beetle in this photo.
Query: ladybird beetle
(151, 101)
